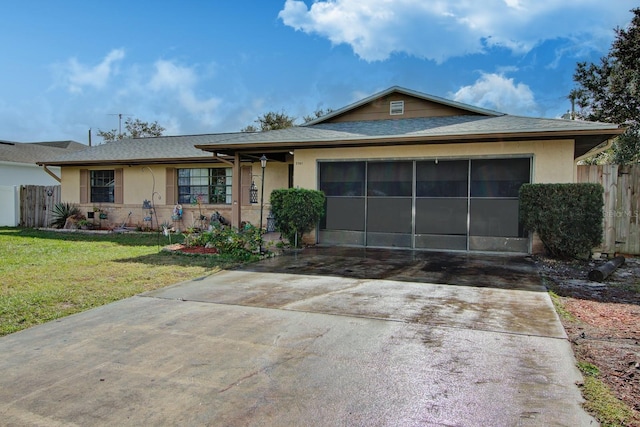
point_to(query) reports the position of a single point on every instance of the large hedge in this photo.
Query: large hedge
(296, 211)
(567, 217)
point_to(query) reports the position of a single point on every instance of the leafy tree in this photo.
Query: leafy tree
(317, 114)
(274, 120)
(610, 91)
(133, 129)
(271, 121)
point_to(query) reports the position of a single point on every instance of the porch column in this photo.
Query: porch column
(236, 197)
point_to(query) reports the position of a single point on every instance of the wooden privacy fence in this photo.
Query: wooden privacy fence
(621, 205)
(36, 203)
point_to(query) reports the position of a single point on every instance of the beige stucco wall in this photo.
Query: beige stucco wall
(138, 185)
(552, 160)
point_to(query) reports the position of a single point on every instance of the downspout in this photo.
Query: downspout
(53, 175)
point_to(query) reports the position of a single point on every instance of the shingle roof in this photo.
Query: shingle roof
(21, 152)
(145, 150)
(430, 128)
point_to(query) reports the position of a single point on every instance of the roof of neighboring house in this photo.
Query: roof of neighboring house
(33, 152)
(162, 149)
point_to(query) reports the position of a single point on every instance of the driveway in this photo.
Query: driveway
(327, 336)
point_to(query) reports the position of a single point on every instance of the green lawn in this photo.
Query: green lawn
(45, 275)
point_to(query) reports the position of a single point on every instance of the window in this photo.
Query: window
(102, 186)
(210, 186)
(396, 108)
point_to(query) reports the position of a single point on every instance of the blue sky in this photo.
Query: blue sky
(215, 66)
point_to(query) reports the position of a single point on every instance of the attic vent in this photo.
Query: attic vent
(396, 108)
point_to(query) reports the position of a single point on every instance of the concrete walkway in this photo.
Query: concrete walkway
(287, 343)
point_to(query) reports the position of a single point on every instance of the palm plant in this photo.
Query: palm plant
(62, 211)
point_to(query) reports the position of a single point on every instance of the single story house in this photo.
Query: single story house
(400, 169)
(18, 167)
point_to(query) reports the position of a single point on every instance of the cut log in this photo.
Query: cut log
(605, 270)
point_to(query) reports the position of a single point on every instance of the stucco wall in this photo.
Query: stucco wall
(138, 185)
(552, 160)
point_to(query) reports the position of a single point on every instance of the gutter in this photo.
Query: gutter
(595, 151)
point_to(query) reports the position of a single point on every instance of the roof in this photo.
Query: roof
(480, 125)
(162, 149)
(430, 130)
(33, 152)
(409, 92)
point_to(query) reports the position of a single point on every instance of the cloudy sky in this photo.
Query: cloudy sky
(214, 66)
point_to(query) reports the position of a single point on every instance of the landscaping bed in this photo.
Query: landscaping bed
(602, 321)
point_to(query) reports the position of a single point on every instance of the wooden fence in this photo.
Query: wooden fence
(36, 203)
(621, 205)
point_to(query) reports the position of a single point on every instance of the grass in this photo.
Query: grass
(600, 401)
(47, 275)
(562, 312)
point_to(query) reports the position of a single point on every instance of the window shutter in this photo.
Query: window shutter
(118, 190)
(172, 182)
(84, 186)
(245, 184)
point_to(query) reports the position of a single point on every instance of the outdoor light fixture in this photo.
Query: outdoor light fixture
(253, 193)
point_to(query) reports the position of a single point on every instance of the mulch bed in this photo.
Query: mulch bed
(606, 329)
(178, 247)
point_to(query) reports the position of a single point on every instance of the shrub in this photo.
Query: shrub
(240, 244)
(296, 211)
(567, 217)
(62, 211)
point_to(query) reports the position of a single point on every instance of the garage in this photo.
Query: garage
(437, 204)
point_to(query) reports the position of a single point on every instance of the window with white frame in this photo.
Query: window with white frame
(206, 185)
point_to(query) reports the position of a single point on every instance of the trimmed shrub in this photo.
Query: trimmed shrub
(296, 211)
(567, 217)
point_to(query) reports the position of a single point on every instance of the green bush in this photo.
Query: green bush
(240, 244)
(62, 211)
(567, 217)
(296, 211)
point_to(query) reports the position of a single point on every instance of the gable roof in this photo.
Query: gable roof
(403, 91)
(31, 153)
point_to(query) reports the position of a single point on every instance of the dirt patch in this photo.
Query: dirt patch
(605, 328)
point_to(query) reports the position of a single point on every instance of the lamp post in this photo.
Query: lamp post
(263, 164)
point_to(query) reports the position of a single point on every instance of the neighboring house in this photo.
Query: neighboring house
(18, 167)
(400, 169)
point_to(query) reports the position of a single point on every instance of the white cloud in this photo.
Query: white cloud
(497, 92)
(440, 29)
(169, 77)
(78, 75)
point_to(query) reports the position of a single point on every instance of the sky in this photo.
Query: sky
(72, 67)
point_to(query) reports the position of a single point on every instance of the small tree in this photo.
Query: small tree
(133, 129)
(271, 121)
(296, 211)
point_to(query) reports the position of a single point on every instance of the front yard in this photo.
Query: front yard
(602, 321)
(46, 275)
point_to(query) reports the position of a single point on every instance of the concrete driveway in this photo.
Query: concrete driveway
(324, 337)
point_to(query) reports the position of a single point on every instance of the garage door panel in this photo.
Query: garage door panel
(389, 215)
(441, 216)
(345, 214)
(441, 242)
(494, 217)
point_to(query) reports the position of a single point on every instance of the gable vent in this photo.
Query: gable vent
(396, 108)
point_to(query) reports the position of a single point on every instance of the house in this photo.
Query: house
(400, 169)
(18, 167)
